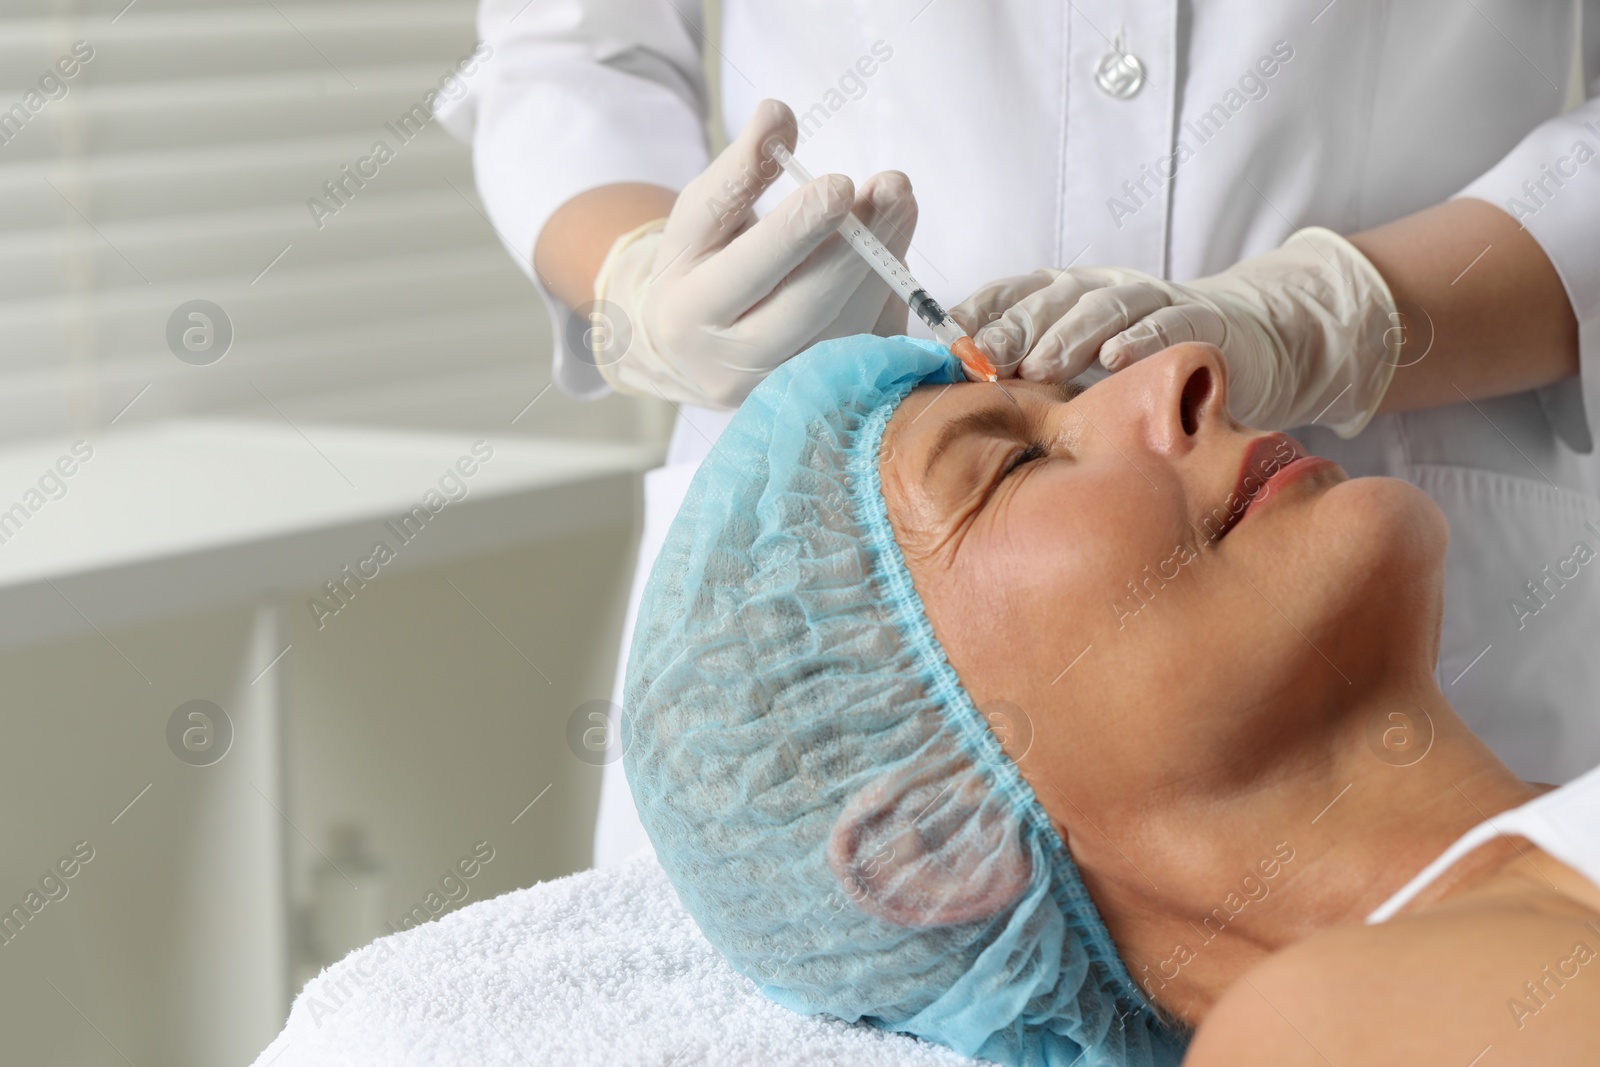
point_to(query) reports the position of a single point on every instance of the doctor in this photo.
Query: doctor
(1169, 141)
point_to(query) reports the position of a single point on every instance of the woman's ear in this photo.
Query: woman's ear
(931, 846)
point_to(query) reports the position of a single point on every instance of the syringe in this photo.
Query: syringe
(891, 270)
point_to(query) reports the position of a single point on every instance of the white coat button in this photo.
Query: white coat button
(1120, 74)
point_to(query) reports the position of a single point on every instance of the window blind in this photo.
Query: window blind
(161, 152)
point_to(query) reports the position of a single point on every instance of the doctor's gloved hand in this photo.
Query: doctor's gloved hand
(1307, 330)
(1019, 321)
(716, 298)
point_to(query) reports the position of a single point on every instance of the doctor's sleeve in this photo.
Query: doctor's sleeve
(1551, 184)
(575, 94)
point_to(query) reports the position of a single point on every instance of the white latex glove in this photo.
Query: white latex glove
(1307, 330)
(711, 298)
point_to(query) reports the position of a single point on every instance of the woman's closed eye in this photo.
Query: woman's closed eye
(1067, 392)
(1036, 450)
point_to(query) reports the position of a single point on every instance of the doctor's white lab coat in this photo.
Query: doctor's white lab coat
(1030, 141)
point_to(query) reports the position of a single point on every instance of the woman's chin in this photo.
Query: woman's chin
(1382, 526)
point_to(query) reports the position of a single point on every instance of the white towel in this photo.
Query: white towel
(602, 967)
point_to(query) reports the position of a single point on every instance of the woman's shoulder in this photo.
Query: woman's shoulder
(1510, 965)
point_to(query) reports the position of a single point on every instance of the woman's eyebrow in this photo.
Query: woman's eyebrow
(997, 421)
(1068, 391)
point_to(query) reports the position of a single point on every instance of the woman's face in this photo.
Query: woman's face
(1139, 591)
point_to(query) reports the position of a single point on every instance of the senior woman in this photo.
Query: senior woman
(1086, 726)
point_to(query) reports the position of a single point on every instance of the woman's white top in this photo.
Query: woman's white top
(1565, 822)
(1171, 138)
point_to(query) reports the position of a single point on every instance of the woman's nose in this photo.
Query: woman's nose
(1174, 396)
(1188, 395)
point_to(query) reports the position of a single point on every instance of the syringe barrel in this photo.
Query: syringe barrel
(882, 261)
(879, 258)
(853, 230)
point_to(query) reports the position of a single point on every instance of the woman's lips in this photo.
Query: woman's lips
(1287, 475)
(1272, 463)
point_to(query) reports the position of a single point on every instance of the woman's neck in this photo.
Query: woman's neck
(1209, 886)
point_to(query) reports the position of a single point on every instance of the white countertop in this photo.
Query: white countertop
(176, 515)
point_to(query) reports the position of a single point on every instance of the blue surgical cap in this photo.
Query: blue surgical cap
(835, 813)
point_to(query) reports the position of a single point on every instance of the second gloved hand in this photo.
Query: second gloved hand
(715, 298)
(1307, 330)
